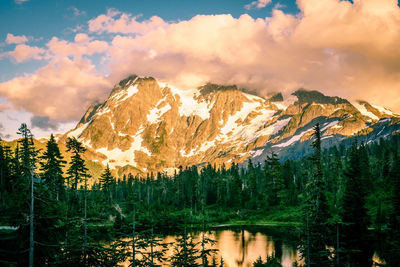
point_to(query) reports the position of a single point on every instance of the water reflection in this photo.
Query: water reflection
(242, 247)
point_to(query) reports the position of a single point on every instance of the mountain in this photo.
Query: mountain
(148, 126)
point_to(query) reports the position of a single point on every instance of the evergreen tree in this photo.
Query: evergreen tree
(275, 182)
(77, 170)
(392, 253)
(51, 166)
(271, 261)
(27, 153)
(150, 248)
(185, 252)
(315, 210)
(106, 181)
(355, 238)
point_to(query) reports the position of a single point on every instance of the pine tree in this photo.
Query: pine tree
(275, 182)
(185, 252)
(315, 229)
(355, 237)
(106, 180)
(271, 261)
(51, 166)
(392, 253)
(27, 153)
(28, 160)
(151, 249)
(77, 170)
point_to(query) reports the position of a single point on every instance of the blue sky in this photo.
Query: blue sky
(59, 56)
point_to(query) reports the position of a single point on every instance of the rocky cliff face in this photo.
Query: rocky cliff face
(146, 125)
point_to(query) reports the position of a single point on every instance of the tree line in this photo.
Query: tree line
(346, 198)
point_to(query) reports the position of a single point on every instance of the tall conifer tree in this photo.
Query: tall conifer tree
(106, 180)
(77, 170)
(355, 219)
(51, 166)
(315, 210)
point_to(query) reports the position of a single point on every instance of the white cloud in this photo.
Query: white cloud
(23, 52)
(15, 39)
(258, 4)
(61, 90)
(81, 46)
(116, 22)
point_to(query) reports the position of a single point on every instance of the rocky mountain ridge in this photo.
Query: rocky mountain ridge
(147, 126)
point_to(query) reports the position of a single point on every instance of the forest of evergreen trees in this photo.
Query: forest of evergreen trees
(345, 201)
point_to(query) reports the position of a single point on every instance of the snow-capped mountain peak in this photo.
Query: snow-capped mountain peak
(147, 125)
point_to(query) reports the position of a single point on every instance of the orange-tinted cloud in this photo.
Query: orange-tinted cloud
(23, 52)
(61, 90)
(15, 39)
(81, 46)
(258, 4)
(125, 23)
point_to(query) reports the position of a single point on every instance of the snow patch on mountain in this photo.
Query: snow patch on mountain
(189, 105)
(111, 123)
(253, 97)
(276, 127)
(326, 137)
(363, 110)
(78, 131)
(203, 148)
(121, 134)
(385, 120)
(87, 143)
(233, 130)
(336, 126)
(103, 111)
(156, 113)
(256, 153)
(293, 139)
(126, 93)
(206, 145)
(328, 125)
(271, 129)
(117, 157)
(133, 89)
(383, 110)
(318, 104)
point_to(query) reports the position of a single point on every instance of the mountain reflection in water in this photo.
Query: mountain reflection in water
(242, 247)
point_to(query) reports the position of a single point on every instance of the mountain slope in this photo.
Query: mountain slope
(147, 126)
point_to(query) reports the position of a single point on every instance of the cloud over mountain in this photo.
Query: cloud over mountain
(338, 47)
(61, 90)
(44, 123)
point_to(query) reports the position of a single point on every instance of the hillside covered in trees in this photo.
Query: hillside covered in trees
(342, 204)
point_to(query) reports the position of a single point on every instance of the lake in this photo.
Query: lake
(243, 247)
